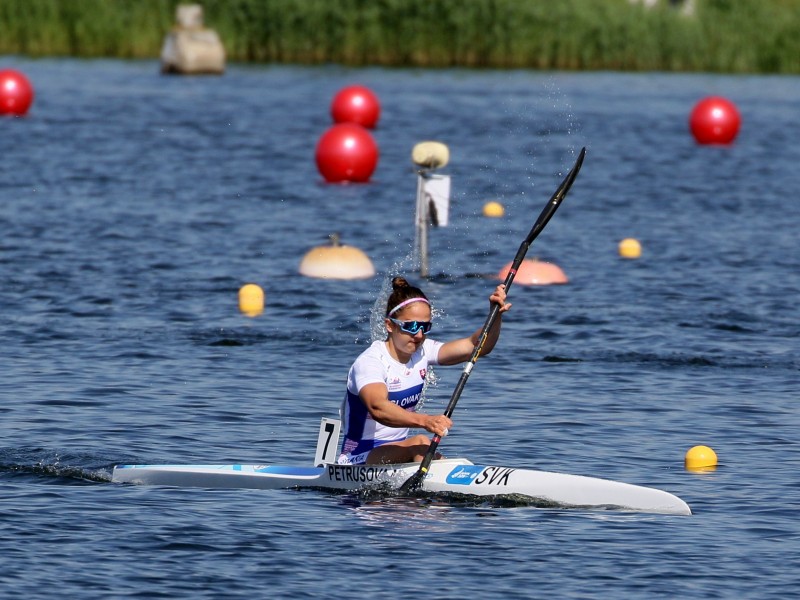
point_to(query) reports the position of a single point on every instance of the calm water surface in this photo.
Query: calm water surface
(133, 207)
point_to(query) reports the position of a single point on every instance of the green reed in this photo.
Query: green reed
(735, 36)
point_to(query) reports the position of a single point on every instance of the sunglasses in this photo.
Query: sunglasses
(412, 327)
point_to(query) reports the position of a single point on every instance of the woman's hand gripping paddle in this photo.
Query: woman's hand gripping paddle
(415, 481)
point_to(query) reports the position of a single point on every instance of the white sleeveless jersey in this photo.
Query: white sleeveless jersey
(404, 383)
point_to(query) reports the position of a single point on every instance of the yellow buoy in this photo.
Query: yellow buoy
(493, 209)
(630, 248)
(700, 457)
(251, 300)
(336, 261)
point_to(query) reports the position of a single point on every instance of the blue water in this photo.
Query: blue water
(133, 207)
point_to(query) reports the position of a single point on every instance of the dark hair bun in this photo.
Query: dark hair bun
(399, 282)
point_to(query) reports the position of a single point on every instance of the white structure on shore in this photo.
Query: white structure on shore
(686, 7)
(190, 48)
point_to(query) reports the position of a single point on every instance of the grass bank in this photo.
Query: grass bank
(726, 36)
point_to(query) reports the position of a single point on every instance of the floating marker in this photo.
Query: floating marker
(356, 104)
(714, 120)
(700, 458)
(630, 248)
(493, 209)
(16, 93)
(535, 272)
(336, 261)
(346, 152)
(430, 155)
(251, 300)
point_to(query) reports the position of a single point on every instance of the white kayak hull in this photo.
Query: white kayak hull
(450, 476)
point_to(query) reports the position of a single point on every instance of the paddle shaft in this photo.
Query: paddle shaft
(544, 217)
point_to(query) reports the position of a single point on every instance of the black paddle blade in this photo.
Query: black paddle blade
(413, 483)
(555, 200)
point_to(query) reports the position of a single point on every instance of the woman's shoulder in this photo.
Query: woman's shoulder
(430, 350)
(376, 350)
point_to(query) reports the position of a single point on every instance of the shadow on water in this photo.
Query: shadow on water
(389, 504)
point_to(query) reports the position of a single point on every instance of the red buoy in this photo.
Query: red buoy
(356, 104)
(346, 152)
(16, 93)
(714, 120)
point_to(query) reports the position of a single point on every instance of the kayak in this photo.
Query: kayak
(451, 476)
(457, 476)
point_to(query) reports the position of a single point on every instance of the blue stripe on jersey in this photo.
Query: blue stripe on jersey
(407, 398)
(357, 418)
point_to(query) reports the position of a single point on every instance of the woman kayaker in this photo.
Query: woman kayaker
(384, 385)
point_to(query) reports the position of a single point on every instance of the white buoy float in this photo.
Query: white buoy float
(191, 48)
(430, 155)
(336, 261)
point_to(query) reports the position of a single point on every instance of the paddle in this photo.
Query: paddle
(415, 481)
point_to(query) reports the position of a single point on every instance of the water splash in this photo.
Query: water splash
(67, 469)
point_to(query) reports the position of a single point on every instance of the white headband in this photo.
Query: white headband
(409, 301)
